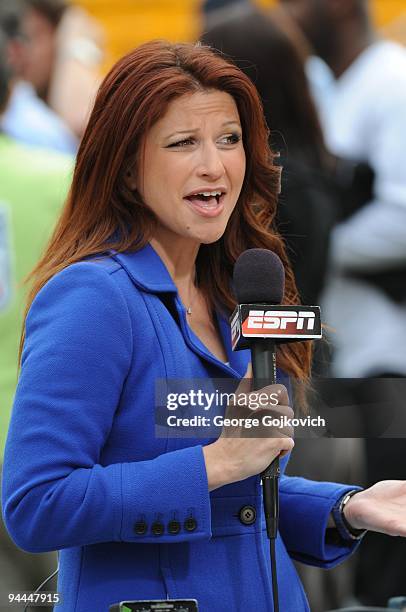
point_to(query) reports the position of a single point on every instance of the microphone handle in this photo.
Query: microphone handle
(263, 362)
(264, 370)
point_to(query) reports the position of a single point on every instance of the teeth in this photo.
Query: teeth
(209, 193)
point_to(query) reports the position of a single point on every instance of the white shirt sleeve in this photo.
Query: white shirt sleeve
(374, 238)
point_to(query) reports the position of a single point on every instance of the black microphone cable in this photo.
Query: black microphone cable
(37, 590)
(264, 364)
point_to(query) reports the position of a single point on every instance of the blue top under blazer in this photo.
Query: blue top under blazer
(84, 473)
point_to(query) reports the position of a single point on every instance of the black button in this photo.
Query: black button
(173, 527)
(157, 528)
(247, 515)
(190, 524)
(140, 528)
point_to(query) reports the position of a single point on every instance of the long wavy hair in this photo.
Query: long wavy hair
(101, 211)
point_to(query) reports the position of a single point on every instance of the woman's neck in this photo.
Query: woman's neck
(179, 257)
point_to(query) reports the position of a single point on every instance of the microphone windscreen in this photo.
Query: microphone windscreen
(259, 277)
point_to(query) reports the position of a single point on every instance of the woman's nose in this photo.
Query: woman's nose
(210, 162)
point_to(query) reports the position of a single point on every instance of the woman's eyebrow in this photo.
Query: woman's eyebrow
(193, 130)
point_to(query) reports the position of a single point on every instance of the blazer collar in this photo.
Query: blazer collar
(149, 273)
(147, 270)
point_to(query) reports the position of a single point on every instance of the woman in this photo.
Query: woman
(135, 286)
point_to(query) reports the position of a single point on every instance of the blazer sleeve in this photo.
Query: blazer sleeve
(305, 506)
(56, 494)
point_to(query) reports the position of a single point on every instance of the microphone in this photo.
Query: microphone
(259, 322)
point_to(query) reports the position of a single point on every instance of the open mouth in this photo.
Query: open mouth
(206, 199)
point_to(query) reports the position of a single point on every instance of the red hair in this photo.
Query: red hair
(101, 211)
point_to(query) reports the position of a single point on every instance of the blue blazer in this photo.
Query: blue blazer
(130, 512)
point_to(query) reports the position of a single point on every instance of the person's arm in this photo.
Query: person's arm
(56, 493)
(309, 512)
(305, 517)
(374, 238)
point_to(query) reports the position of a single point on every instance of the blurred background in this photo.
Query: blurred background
(332, 77)
(183, 20)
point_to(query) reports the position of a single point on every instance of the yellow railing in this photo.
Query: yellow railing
(128, 23)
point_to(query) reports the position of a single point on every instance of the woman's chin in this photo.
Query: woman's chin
(211, 239)
(210, 235)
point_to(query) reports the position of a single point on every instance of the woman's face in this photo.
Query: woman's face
(193, 165)
(38, 51)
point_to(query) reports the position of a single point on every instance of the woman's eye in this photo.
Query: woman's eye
(230, 139)
(182, 143)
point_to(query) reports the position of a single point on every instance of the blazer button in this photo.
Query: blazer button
(140, 528)
(157, 528)
(190, 524)
(173, 527)
(247, 515)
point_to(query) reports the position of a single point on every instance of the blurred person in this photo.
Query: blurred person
(33, 184)
(364, 119)
(40, 26)
(61, 58)
(174, 179)
(27, 118)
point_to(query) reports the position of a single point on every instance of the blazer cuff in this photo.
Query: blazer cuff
(305, 507)
(166, 499)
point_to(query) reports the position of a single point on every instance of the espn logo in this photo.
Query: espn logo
(279, 319)
(279, 323)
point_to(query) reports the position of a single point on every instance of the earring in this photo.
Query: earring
(130, 180)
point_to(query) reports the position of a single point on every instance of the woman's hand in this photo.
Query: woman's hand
(239, 453)
(380, 508)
